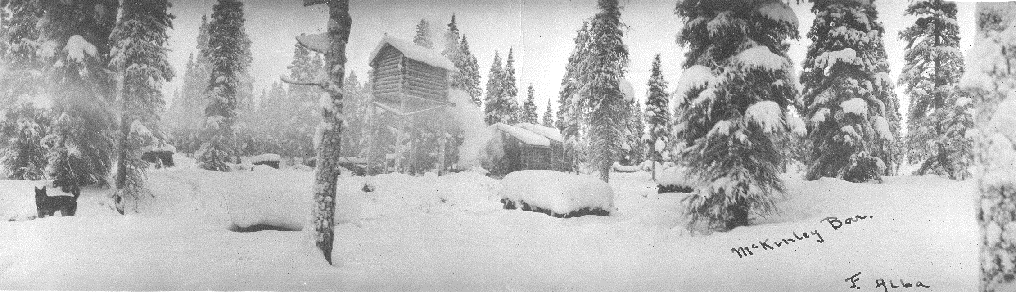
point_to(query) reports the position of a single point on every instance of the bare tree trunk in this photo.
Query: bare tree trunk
(328, 151)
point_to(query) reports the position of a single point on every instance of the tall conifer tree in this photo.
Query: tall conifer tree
(849, 102)
(75, 48)
(939, 115)
(657, 114)
(603, 69)
(229, 54)
(423, 35)
(469, 72)
(529, 114)
(510, 91)
(733, 99)
(139, 58)
(548, 116)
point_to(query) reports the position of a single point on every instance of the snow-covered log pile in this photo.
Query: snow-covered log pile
(269, 159)
(672, 179)
(556, 193)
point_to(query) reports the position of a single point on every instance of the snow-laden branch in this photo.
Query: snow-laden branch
(317, 42)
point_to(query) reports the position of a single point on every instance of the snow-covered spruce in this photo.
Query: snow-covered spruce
(846, 92)
(529, 108)
(991, 81)
(939, 114)
(730, 124)
(22, 155)
(496, 106)
(139, 58)
(229, 52)
(183, 118)
(602, 94)
(556, 193)
(75, 37)
(568, 112)
(657, 115)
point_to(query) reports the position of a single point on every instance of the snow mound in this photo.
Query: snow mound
(693, 77)
(855, 106)
(415, 52)
(767, 115)
(77, 47)
(760, 57)
(558, 192)
(398, 195)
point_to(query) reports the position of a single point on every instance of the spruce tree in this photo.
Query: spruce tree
(141, 63)
(469, 72)
(19, 63)
(603, 69)
(495, 109)
(422, 37)
(548, 116)
(939, 114)
(657, 115)
(733, 98)
(529, 108)
(75, 48)
(452, 47)
(568, 113)
(303, 116)
(634, 147)
(510, 91)
(229, 54)
(22, 128)
(186, 112)
(848, 95)
(990, 78)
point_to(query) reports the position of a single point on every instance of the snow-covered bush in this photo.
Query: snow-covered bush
(556, 193)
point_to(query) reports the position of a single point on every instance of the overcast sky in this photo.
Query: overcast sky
(541, 33)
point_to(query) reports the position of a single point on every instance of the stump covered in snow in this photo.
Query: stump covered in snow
(556, 193)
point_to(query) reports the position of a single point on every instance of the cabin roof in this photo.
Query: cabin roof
(414, 52)
(531, 134)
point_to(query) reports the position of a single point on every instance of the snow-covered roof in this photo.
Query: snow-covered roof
(548, 132)
(415, 52)
(526, 136)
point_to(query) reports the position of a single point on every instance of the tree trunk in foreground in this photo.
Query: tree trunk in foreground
(330, 130)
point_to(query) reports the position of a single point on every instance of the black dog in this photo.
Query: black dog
(47, 205)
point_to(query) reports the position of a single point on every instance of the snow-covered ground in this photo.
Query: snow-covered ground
(450, 233)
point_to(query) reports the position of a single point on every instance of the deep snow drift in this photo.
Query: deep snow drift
(450, 233)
